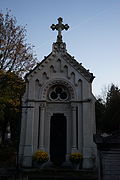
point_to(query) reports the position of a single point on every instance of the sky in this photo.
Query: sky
(93, 37)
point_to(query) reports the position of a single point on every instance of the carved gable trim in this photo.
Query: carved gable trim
(78, 66)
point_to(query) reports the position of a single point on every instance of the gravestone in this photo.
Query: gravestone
(59, 108)
(109, 156)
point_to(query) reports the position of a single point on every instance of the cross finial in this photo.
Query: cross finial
(59, 27)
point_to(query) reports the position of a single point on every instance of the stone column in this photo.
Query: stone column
(74, 146)
(42, 123)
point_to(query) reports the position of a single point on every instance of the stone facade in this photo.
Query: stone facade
(58, 87)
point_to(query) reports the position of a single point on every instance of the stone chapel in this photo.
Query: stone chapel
(58, 114)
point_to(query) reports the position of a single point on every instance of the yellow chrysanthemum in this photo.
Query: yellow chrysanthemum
(76, 157)
(40, 156)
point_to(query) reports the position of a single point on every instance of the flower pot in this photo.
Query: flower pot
(76, 159)
(37, 164)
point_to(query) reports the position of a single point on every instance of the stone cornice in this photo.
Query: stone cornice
(59, 102)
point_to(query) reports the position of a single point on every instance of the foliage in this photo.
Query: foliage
(76, 157)
(108, 113)
(112, 114)
(100, 113)
(15, 54)
(40, 156)
(11, 89)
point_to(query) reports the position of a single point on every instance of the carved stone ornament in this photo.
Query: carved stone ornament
(42, 104)
(59, 48)
(59, 83)
(58, 93)
(59, 27)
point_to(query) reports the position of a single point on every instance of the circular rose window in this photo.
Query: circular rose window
(58, 93)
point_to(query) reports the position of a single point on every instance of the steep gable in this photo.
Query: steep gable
(78, 66)
(59, 53)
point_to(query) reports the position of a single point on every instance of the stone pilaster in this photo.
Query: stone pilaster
(74, 146)
(42, 124)
(28, 147)
(22, 136)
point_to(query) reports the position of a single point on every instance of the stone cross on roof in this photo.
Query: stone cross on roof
(59, 27)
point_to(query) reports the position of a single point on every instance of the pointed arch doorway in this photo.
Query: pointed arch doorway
(58, 128)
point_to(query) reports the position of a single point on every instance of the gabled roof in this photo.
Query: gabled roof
(78, 66)
(61, 49)
(38, 64)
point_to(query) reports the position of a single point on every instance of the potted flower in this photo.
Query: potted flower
(39, 157)
(76, 160)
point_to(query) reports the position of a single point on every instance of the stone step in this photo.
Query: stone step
(62, 178)
(50, 174)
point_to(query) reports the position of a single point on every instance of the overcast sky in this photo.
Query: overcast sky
(93, 38)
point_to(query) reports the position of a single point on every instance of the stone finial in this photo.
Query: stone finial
(59, 27)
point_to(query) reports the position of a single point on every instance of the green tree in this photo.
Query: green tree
(16, 58)
(100, 113)
(112, 113)
(11, 89)
(108, 112)
(15, 54)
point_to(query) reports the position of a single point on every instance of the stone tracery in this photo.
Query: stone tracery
(60, 83)
(58, 93)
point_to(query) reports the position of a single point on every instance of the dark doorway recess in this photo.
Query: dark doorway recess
(58, 138)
